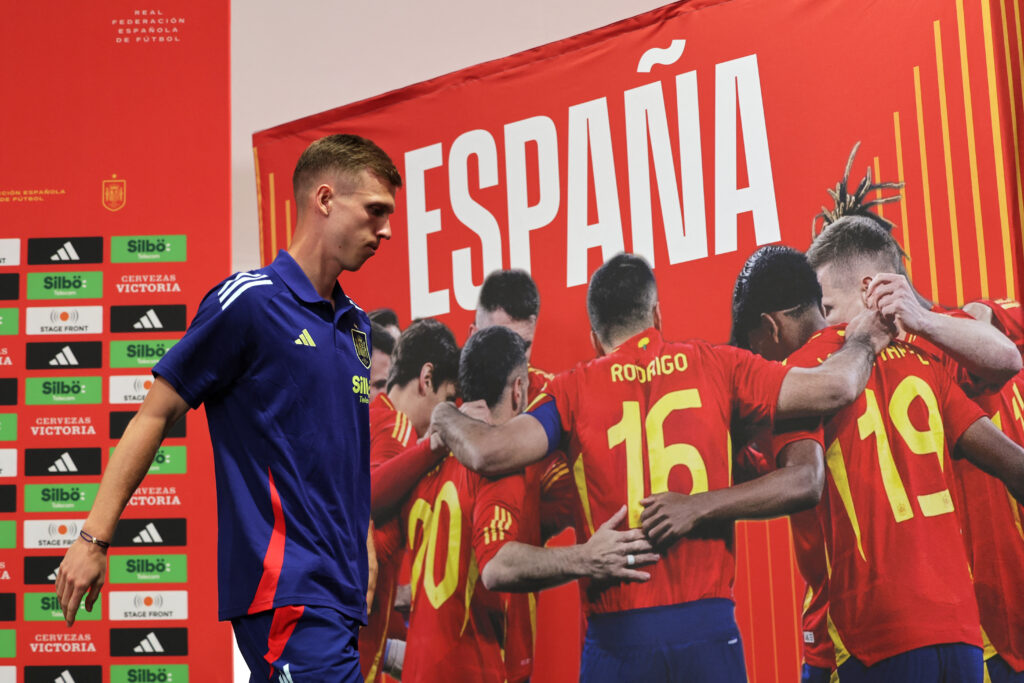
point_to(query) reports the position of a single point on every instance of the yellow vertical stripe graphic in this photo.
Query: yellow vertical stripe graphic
(273, 219)
(580, 477)
(925, 187)
(903, 202)
(997, 145)
(972, 149)
(259, 203)
(958, 278)
(287, 222)
(1013, 111)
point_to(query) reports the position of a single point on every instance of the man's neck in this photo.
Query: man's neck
(321, 272)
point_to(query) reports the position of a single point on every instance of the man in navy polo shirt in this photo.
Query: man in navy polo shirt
(280, 357)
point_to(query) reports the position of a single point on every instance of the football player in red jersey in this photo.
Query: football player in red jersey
(509, 298)
(901, 605)
(422, 375)
(462, 529)
(649, 421)
(776, 307)
(981, 363)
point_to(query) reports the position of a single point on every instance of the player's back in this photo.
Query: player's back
(899, 578)
(653, 416)
(454, 522)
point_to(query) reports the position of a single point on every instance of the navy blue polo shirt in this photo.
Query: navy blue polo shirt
(285, 381)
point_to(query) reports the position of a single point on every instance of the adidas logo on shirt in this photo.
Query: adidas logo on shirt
(304, 339)
(149, 321)
(63, 464)
(149, 534)
(64, 357)
(286, 674)
(66, 253)
(149, 644)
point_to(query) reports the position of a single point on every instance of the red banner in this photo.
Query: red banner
(115, 221)
(691, 134)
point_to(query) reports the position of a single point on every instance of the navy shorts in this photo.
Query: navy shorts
(947, 663)
(1001, 672)
(694, 642)
(815, 674)
(295, 643)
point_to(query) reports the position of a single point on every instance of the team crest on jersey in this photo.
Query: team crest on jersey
(362, 347)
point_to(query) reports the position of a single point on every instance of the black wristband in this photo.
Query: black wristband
(86, 536)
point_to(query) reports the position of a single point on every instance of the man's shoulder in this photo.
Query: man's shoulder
(244, 289)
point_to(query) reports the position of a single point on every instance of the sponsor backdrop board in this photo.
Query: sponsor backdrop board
(691, 134)
(111, 231)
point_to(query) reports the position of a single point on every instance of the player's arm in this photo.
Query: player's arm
(795, 486)
(980, 348)
(993, 452)
(84, 566)
(838, 381)
(520, 567)
(394, 479)
(372, 568)
(487, 449)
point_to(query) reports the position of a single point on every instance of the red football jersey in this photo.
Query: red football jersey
(899, 577)
(455, 521)
(809, 549)
(992, 518)
(654, 416)
(541, 491)
(390, 433)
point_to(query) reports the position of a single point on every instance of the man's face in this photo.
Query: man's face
(840, 294)
(524, 328)
(380, 366)
(445, 392)
(360, 211)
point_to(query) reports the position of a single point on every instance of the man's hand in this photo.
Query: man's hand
(871, 329)
(669, 516)
(81, 573)
(612, 555)
(477, 410)
(892, 296)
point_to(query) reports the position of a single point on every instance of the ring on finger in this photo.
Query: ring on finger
(630, 559)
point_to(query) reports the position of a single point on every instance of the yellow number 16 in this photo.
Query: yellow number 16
(661, 457)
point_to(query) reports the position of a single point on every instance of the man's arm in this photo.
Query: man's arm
(994, 453)
(84, 566)
(520, 567)
(372, 568)
(393, 480)
(795, 486)
(980, 348)
(838, 381)
(490, 450)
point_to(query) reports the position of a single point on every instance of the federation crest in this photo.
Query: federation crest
(362, 347)
(115, 194)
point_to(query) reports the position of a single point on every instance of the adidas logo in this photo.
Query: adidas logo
(304, 339)
(149, 321)
(65, 677)
(52, 576)
(63, 464)
(149, 534)
(286, 674)
(66, 253)
(149, 644)
(64, 357)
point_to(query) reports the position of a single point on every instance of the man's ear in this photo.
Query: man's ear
(426, 379)
(656, 316)
(472, 329)
(322, 198)
(771, 326)
(596, 343)
(519, 395)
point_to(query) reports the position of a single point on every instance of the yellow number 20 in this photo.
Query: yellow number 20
(427, 515)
